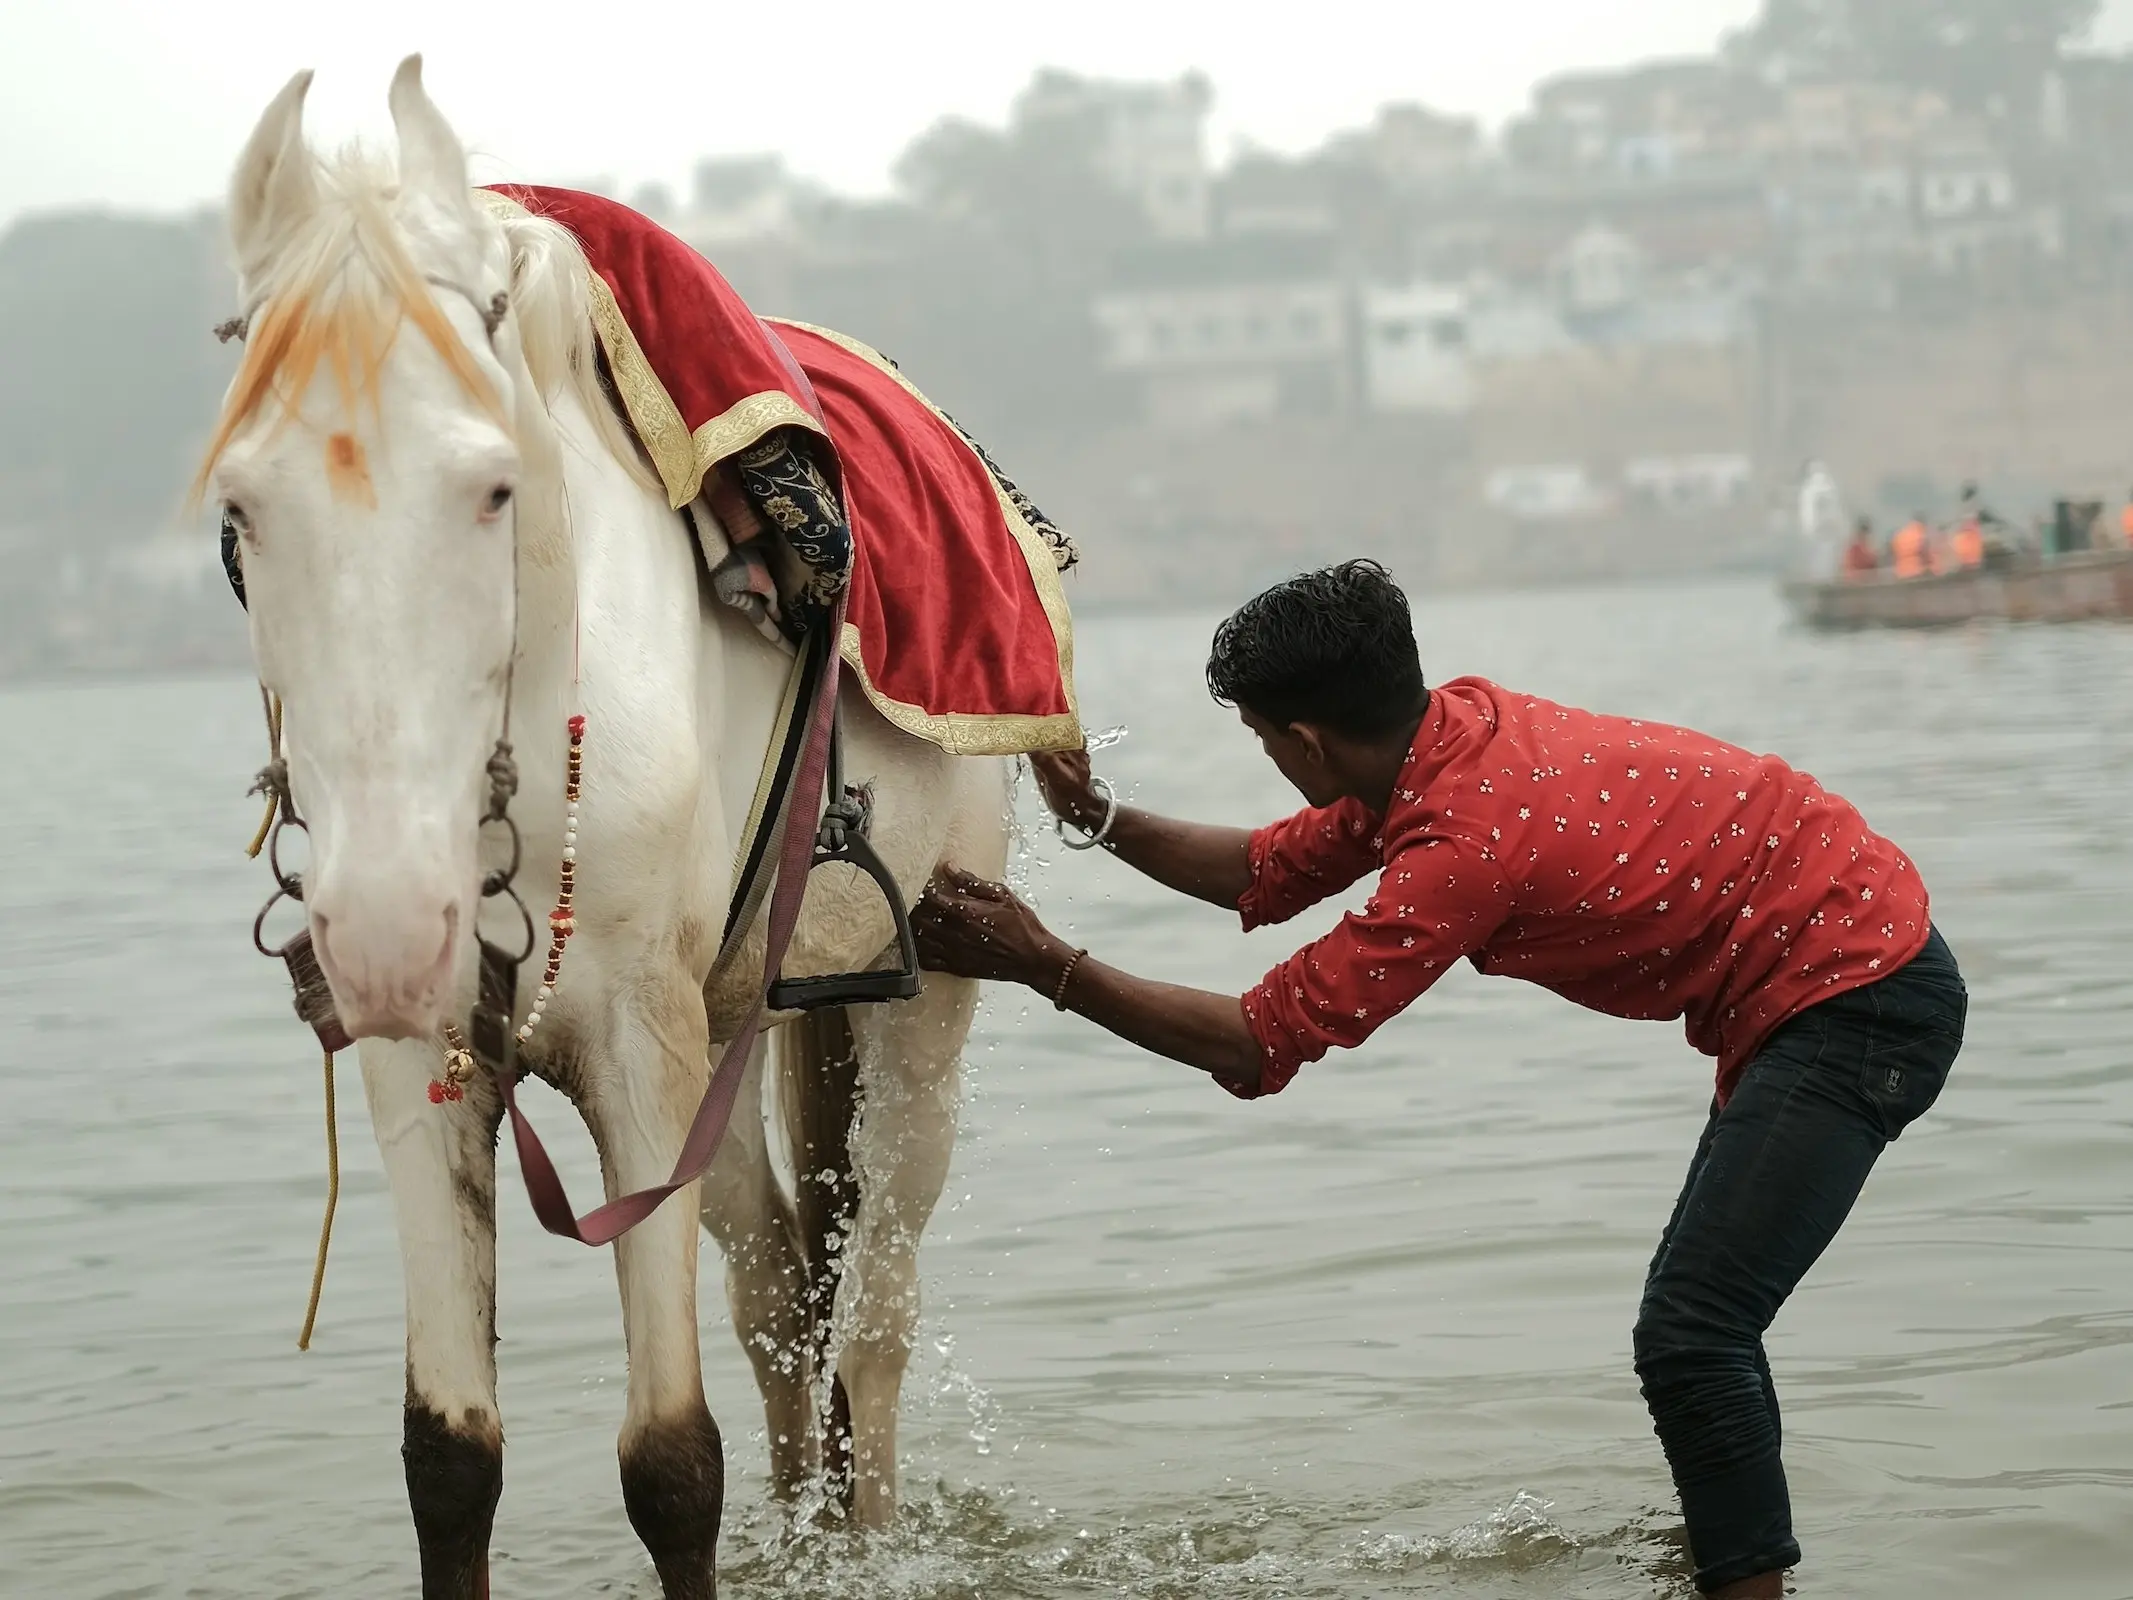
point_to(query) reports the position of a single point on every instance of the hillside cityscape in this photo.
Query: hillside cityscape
(1599, 343)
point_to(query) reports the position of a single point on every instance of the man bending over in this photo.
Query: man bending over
(1638, 869)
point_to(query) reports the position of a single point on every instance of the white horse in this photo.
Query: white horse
(433, 515)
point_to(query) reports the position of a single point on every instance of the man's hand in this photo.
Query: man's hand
(1069, 787)
(976, 929)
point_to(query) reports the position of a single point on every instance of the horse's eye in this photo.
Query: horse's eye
(499, 497)
(234, 518)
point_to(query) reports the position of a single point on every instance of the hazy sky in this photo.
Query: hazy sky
(145, 102)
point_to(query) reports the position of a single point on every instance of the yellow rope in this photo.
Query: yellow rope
(325, 1227)
(266, 823)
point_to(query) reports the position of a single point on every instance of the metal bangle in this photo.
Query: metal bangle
(1103, 831)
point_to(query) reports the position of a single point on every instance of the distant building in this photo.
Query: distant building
(1266, 194)
(1549, 493)
(1848, 122)
(1417, 349)
(1230, 330)
(1411, 146)
(1689, 485)
(1645, 121)
(1150, 139)
(1971, 215)
(1599, 273)
(1847, 231)
(741, 200)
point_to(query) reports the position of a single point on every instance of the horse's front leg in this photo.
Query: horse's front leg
(440, 1161)
(638, 1098)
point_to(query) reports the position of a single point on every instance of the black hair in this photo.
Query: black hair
(1335, 648)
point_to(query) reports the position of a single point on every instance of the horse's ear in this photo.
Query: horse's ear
(275, 182)
(433, 164)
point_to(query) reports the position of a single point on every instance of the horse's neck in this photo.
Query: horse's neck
(613, 623)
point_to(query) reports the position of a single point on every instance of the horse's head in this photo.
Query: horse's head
(368, 456)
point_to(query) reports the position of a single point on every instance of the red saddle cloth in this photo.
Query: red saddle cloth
(957, 627)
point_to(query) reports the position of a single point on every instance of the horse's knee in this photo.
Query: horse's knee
(455, 1476)
(673, 1485)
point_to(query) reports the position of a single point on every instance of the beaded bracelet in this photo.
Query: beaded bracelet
(1066, 976)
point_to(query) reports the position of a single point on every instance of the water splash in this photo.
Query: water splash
(974, 1543)
(1519, 1536)
(950, 1384)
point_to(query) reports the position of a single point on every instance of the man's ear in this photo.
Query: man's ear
(1312, 741)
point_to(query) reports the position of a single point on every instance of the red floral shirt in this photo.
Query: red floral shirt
(1641, 870)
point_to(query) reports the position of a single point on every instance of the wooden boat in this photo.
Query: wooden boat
(2025, 588)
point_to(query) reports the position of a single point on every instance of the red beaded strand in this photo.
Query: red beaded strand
(562, 921)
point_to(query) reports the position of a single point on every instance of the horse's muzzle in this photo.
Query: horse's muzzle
(389, 962)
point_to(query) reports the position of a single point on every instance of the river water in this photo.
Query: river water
(1369, 1338)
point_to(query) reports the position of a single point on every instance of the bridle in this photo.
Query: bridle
(490, 1032)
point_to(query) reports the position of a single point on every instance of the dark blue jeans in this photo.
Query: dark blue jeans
(1773, 1179)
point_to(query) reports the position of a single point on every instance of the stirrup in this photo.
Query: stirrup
(843, 837)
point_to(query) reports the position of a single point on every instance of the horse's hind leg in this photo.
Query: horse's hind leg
(908, 1054)
(766, 1280)
(440, 1161)
(639, 1091)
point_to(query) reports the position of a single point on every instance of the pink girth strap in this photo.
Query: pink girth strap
(604, 1224)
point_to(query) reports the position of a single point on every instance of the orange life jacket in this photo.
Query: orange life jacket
(1969, 545)
(1907, 551)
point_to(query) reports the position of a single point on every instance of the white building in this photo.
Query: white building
(1689, 485)
(1550, 493)
(1971, 214)
(1418, 349)
(1956, 185)
(1601, 271)
(1220, 353)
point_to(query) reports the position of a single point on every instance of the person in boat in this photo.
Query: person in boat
(1821, 521)
(1966, 545)
(1860, 557)
(1641, 870)
(1976, 530)
(1910, 549)
(2125, 524)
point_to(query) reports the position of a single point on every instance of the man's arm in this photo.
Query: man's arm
(1196, 1027)
(1194, 858)
(978, 929)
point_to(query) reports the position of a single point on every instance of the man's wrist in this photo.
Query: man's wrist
(1048, 965)
(1085, 811)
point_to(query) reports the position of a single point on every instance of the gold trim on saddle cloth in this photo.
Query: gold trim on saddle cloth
(970, 733)
(681, 457)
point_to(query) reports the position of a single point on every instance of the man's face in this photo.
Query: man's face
(1297, 754)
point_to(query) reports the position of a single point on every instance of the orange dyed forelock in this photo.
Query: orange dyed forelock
(353, 336)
